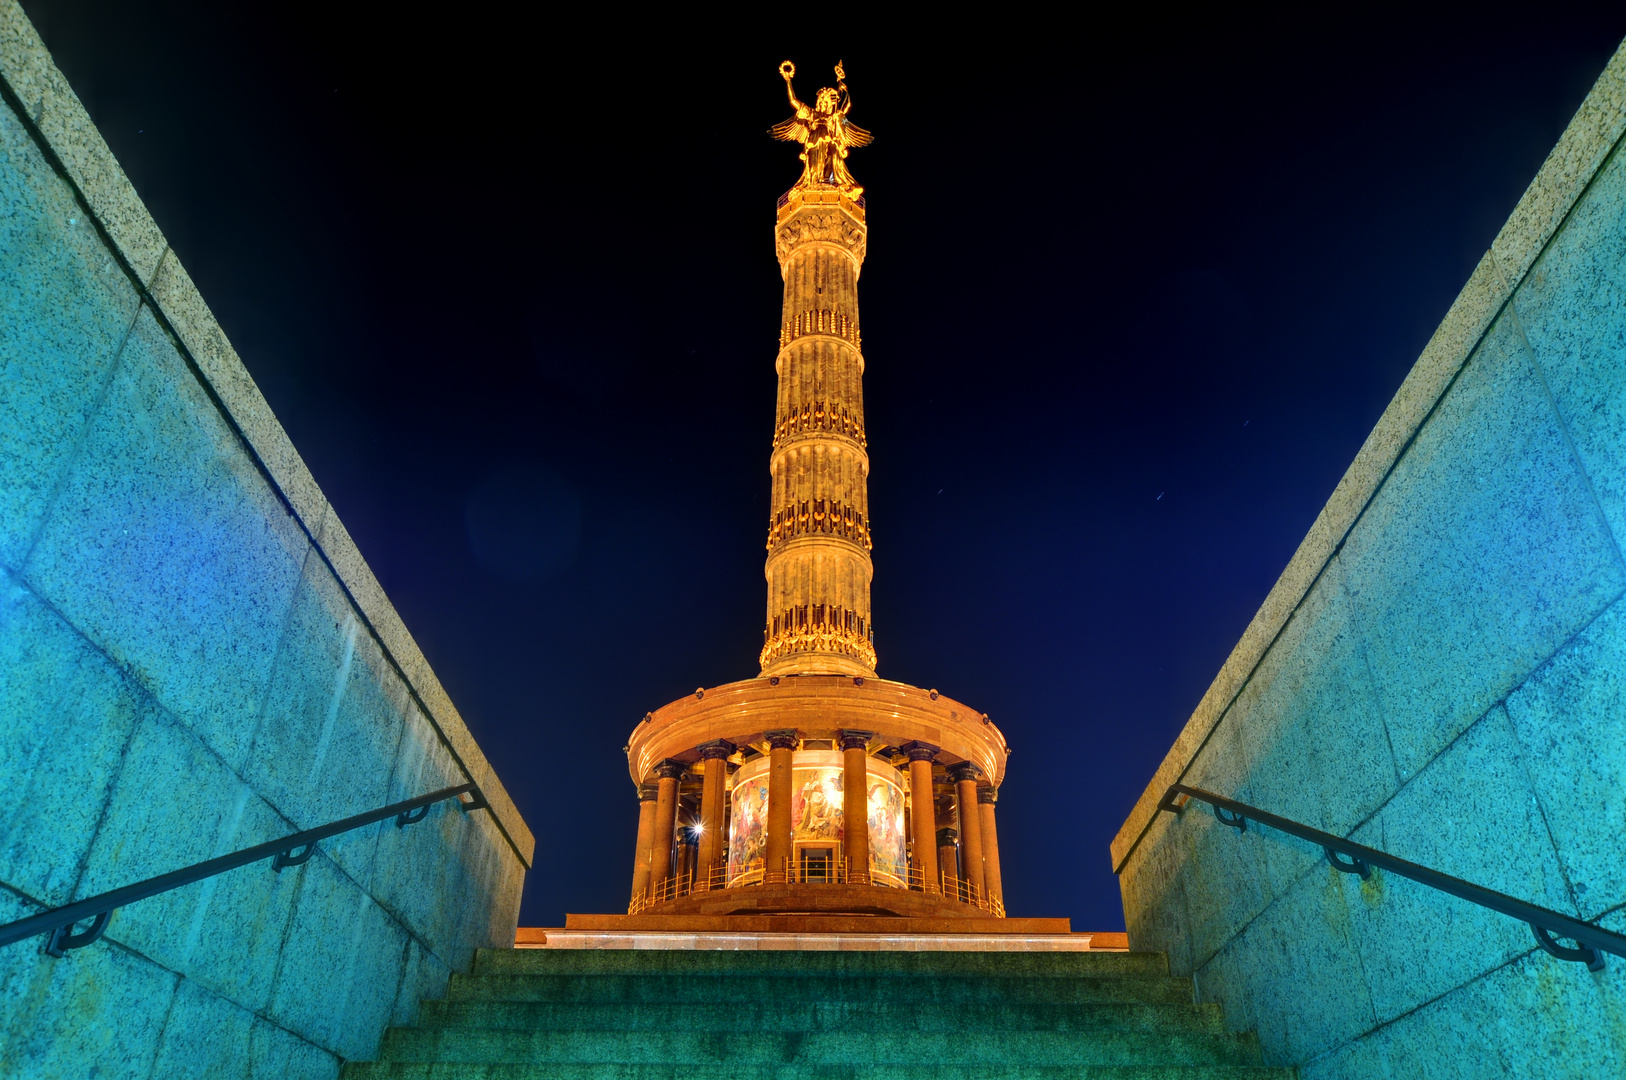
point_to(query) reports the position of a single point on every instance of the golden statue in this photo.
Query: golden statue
(825, 133)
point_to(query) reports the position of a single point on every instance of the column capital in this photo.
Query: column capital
(671, 769)
(648, 792)
(987, 796)
(854, 740)
(919, 751)
(720, 748)
(947, 836)
(963, 771)
(782, 740)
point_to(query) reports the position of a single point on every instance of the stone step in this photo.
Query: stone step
(818, 1016)
(814, 963)
(770, 1049)
(406, 1070)
(719, 987)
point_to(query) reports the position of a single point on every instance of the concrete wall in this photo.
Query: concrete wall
(1440, 673)
(194, 658)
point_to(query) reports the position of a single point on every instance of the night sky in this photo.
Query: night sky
(1134, 297)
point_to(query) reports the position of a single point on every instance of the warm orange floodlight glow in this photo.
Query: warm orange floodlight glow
(825, 133)
(822, 786)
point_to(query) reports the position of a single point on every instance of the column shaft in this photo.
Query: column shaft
(908, 818)
(728, 816)
(685, 862)
(711, 819)
(855, 803)
(660, 842)
(986, 798)
(965, 797)
(647, 794)
(713, 793)
(948, 851)
(923, 820)
(781, 745)
(818, 567)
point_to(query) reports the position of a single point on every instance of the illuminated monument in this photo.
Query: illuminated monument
(817, 787)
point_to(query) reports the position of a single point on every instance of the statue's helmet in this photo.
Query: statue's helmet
(826, 99)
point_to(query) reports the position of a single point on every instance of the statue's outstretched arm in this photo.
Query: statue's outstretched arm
(786, 70)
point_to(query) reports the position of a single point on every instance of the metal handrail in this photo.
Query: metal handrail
(1591, 941)
(59, 922)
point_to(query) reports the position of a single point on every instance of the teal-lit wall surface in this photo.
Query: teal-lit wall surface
(1440, 675)
(193, 660)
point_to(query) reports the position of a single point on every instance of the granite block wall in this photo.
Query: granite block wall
(1440, 674)
(194, 659)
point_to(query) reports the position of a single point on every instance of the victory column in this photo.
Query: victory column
(816, 787)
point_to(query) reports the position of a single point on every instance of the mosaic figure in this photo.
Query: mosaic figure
(816, 808)
(888, 853)
(748, 831)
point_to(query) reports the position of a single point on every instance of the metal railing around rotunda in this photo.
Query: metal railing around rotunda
(835, 872)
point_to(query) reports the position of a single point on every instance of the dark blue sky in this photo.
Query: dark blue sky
(1132, 303)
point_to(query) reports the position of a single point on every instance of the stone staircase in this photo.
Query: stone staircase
(626, 1014)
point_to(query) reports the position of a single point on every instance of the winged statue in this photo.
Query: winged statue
(825, 133)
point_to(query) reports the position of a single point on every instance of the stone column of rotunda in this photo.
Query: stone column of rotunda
(818, 567)
(923, 814)
(965, 801)
(647, 796)
(948, 847)
(730, 768)
(666, 807)
(986, 798)
(777, 849)
(713, 799)
(855, 802)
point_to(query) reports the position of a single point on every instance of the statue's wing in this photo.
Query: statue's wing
(792, 130)
(857, 136)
